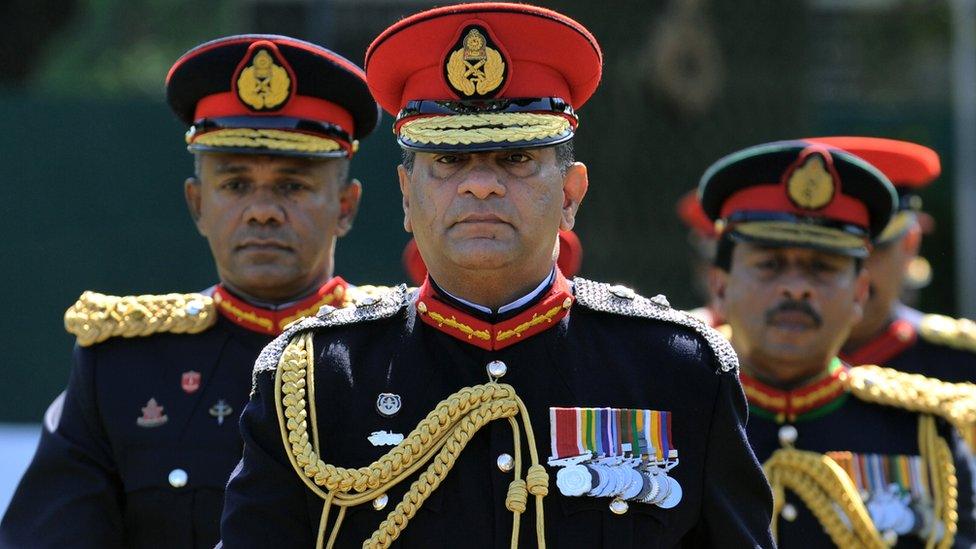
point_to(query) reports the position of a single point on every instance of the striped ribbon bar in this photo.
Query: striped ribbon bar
(873, 473)
(610, 432)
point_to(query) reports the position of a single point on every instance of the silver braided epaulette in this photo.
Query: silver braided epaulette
(620, 300)
(379, 305)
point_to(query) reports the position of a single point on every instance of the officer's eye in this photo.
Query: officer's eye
(517, 158)
(447, 159)
(292, 186)
(234, 185)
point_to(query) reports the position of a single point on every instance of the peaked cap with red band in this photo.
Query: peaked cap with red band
(484, 76)
(569, 261)
(799, 193)
(270, 94)
(909, 166)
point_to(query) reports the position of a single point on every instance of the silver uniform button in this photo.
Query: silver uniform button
(380, 502)
(619, 506)
(178, 478)
(505, 462)
(497, 368)
(788, 435)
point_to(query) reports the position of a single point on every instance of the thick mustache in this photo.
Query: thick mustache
(793, 306)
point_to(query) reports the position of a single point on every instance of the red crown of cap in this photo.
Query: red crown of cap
(692, 214)
(546, 53)
(905, 164)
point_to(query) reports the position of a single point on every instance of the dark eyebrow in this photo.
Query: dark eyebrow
(231, 169)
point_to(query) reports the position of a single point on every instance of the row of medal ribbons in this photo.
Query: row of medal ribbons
(620, 453)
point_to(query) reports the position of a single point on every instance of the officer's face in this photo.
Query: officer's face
(495, 210)
(272, 221)
(790, 309)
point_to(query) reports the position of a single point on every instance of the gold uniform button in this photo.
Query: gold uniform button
(178, 478)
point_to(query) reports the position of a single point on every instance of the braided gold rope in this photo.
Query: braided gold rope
(827, 491)
(96, 317)
(438, 439)
(958, 333)
(955, 402)
(467, 129)
(942, 474)
(278, 140)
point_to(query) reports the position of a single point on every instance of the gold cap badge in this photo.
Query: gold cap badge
(475, 70)
(811, 186)
(263, 85)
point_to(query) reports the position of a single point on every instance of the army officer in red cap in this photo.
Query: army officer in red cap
(501, 404)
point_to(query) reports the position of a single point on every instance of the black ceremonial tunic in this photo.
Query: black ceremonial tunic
(840, 422)
(102, 480)
(589, 358)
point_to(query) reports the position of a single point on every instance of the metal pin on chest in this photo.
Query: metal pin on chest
(388, 404)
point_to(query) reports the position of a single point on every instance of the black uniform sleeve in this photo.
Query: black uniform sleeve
(71, 494)
(266, 503)
(737, 502)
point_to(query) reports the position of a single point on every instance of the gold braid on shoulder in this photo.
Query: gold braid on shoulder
(958, 333)
(435, 443)
(96, 317)
(954, 402)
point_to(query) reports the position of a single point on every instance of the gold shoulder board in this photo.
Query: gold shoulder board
(958, 333)
(954, 402)
(96, 317)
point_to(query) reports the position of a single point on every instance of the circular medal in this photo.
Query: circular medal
(674, 497)
(604, 479)
(635, 485)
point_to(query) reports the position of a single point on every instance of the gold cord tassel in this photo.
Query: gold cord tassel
(436, 442)
(942, 474)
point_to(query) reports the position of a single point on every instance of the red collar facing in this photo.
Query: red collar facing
(819, 397)
(266, 321)
(545, 313)
(900, 335)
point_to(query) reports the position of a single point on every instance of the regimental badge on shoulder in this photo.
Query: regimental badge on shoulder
(810, 185)
(619, 453)
(475, 69)
(264, 82)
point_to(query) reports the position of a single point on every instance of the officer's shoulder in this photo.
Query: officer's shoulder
(366, 304)
(957, 333)
(97, 317)
(620, 300)
(954, 402)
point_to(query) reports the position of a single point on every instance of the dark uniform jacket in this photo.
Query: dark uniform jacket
(932, 345)
(612, 349)
(137, 450)
(830, 416)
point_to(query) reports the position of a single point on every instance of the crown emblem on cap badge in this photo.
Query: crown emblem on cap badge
(264, 85)
(475, 69)
(811, 186)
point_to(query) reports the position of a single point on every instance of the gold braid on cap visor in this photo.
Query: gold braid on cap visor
(800, 234)
(468, 129)
(276, 140)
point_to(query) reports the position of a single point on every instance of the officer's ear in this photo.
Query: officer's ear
(349, 197)
(862, 290)
(404, 176)
(575, 184)
(192, 194)
(718, 281)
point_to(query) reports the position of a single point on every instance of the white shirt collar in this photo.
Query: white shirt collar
(513, 305)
